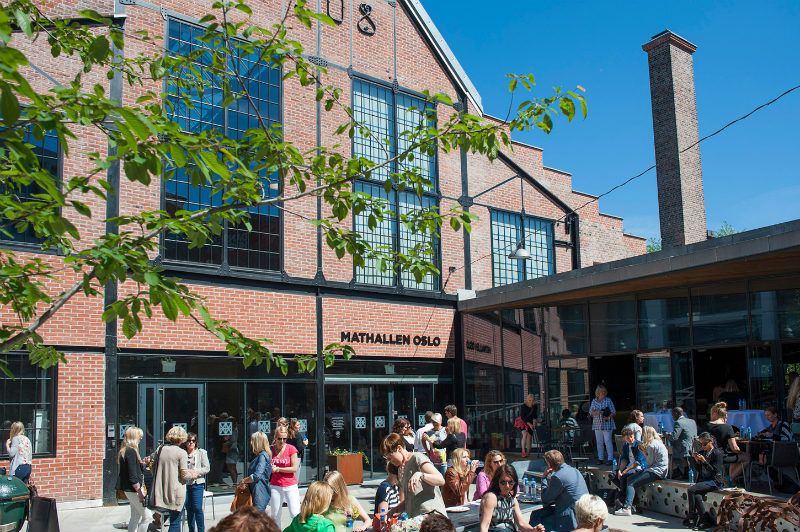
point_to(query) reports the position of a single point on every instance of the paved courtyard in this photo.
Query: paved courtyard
(108, 519)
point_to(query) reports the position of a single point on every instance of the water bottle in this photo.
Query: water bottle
(744, 404)
(348, 523)
(403, 516)
(613, 465)
(749, 433)
(660, 428)
(525, 488)
(655, 407)
(384, 528)
(691, 476)
(533, 487)
(740, 404)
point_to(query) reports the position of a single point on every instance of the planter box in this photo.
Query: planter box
(351, 466)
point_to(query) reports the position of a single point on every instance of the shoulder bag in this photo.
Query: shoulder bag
(150, 496)
(243, 497)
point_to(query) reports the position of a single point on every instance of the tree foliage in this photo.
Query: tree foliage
(150, 147)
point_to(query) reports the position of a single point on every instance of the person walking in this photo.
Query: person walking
(458, 478)
(683, 433)
(171, 472)
(131, 479)
(452, 412)
(20, 452)
(709, 466)
(420, 482)
(259, 471)
(562, 486)
(283, 483)
(602, 411)
(197, 463)
(529, 412)
(436, 434)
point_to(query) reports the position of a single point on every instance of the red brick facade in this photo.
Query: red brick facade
(288, 316)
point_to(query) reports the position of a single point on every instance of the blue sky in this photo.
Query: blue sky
(747, 53)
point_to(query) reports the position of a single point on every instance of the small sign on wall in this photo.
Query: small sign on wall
(421, 420)
(122, 429)
(380, 422)
(226, 428)
(361, 422)
(181, 425)
(303, 425)
(263, 426)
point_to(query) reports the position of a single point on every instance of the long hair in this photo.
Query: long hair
(649, 434)
(488, 462)
(457, 462)
(17, 428)
(293, 433)
(341, 495)
(260, 442)
(794, 393)
(719, 411)
(316, 501)
(503, 471)
(454, 425)
(131, 439)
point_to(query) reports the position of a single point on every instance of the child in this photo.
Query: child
(630, 461)
(317, 500)
(342, 504)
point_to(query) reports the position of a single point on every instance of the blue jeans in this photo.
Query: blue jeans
(22, 472)
(637, 479)
(174, 520)
(194, 507)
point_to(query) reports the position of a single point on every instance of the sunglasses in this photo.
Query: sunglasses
(506, 482)
(281, 439)
(191, 441)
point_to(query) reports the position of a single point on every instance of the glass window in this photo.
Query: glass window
(507, 231)
(775, 314)
(654, 381)
(568, 388)
(567, 326)
(762, 379)
(29, 397)
(613, 326)
(48, 153)
(258, 248)
(663, 322)
(514, 391)
(389, 116)
(719, 318)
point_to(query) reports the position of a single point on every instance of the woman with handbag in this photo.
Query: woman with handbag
(259, 471)
(283, 483)
(199, 467)
(131, 479)
(170, 474)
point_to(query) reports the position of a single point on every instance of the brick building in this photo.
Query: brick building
(279, 282)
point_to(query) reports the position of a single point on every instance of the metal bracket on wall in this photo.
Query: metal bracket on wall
(466, 201)
(459, 106)
(319, 61)
(127, 2)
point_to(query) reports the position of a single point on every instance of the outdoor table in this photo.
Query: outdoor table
(560, 432)
(470, 520)
(654, 418)
(744, 418)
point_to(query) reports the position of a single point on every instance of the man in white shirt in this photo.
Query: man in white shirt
(418, 447)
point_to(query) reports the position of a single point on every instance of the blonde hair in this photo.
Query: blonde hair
(454, 425)
(719, 411)
(131, 439)
(794, 393)
(588, 509)
(317, 500)
(457, 461)
(260, 442)
(437, 418)
(490, 460)
(341, 495)
(176, 436)
(17, 428)
(283, 421)
(649, 434)
(600, 388)
(554, 459)
(280, 429)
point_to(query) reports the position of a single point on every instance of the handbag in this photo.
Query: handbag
(150, 496)
(520, 424)
(242, 497)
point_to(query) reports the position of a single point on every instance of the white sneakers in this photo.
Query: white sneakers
(623, 511)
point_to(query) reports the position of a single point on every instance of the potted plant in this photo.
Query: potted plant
(349, 463)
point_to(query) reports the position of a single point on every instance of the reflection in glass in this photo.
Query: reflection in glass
(775, 314)
(567, 329)
(613, 326)
(568, 387)
(762, 379)
(719, 318)
(225, 433)
(653, 381)
(663, 322)
(683, 380)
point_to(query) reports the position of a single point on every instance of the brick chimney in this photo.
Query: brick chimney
(681, 206)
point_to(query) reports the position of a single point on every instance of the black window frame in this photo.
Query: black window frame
(224, 266)
(34, 244)
(520, 226)
(52, 405)
(400, 281)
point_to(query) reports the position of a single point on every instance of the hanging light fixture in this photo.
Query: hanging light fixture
(520, 253)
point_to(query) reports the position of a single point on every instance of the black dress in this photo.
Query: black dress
(529, 414)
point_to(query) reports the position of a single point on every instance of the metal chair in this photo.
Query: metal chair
(784, 455)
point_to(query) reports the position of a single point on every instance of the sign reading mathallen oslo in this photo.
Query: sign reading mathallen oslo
(355, 337)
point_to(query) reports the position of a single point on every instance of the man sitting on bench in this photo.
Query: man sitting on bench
(562, 486)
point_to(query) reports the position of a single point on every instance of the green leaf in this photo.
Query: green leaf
(214, 164)
(152, 278)
(129, 327)
(91, 14)
(24, 22)
(9, 106)
(136, 123)
(99, 48)
(568, 108)
(178, 157)
(81, 208)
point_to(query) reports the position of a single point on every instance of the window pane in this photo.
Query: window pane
(663, 322)
(409, 202)
(30, 399)
(539, 242)
(567, 326)
(775, 314)
(507, 232)
(409, 116)
(373, 108)
(613, 326)
(719, 319)
(382, 237)
(654, 381)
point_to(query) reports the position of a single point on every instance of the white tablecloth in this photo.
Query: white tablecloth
(665, 418)
(743, 418)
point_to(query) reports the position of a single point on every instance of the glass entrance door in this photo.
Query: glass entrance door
(163, 406)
